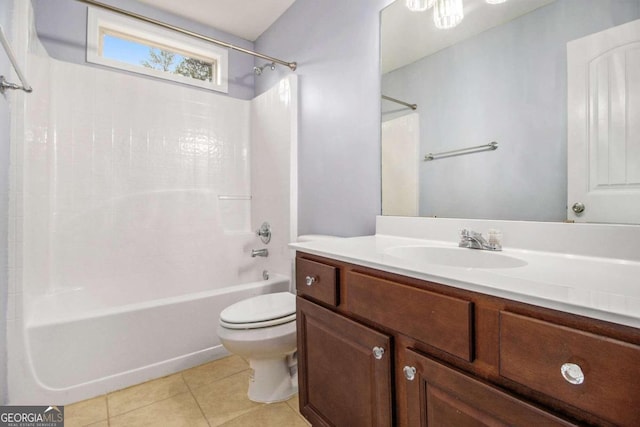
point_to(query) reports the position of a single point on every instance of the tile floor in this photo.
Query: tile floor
(213, 394)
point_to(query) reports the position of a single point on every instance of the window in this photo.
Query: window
(128, 44)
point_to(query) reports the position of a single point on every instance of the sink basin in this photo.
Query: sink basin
(455, 257)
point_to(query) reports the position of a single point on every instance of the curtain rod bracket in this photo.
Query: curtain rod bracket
(4, 83)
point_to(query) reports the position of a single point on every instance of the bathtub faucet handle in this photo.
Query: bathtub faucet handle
(264, 232)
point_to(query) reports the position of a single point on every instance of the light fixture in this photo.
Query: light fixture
(495, 1)
(420, 5)
(448, 13)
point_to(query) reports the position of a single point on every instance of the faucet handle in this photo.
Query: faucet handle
(466, 232)
(264, 232)
(495, 239)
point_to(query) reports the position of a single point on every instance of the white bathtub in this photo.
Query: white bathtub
(114, 341)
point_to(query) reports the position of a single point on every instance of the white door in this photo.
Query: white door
(604, 126)
(400, 161)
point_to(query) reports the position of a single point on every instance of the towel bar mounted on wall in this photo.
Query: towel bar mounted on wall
(486, 147)
(4, 84)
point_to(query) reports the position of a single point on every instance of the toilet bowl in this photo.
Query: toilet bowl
(262, 329)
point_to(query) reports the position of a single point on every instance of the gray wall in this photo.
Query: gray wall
(508, 84)
(62, 28)
(336, 44)
(5, 120)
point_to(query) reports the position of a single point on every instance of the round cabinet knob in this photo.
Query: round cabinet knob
(572, 373)
(578, 208)
(409, 372)
(378, 352)
(310, 280)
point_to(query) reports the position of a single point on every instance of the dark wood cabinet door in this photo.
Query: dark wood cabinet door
(441, 396)
(343, 381)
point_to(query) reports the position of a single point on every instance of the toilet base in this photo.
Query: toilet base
(272, 379)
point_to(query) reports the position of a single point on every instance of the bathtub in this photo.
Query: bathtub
(125, 339)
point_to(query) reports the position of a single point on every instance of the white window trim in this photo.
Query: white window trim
(99, 19)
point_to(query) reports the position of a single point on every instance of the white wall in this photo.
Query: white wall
(336, 44)
(508, 84)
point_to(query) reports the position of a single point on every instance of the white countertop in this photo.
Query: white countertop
(601, 288)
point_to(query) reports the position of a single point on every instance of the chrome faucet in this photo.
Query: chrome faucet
(259, 252)
(474, 240)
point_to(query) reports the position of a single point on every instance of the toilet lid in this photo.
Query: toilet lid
(260, 311)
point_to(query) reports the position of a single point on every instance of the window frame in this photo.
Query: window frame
(100, 22)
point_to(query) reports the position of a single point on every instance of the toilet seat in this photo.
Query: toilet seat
(260, 311)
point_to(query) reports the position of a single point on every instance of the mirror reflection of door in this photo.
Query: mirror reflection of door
(400, 160)
(604, 126)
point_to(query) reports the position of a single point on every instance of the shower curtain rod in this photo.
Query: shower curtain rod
(291, 65)
(397, 101)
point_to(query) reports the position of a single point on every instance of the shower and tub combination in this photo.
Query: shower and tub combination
(135, 218)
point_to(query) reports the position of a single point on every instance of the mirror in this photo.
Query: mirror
(499, 76)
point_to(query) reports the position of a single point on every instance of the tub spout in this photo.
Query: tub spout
(259, 252)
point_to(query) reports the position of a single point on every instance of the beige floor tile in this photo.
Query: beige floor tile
(176, 411)
(213, 371)
(104, 423)
(294, 403)
(144, 394)
(226, 399)
(275, 415)
(85, 412)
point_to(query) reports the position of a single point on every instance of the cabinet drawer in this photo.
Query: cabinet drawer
(532, 353)
(440, 321)
(317, 281)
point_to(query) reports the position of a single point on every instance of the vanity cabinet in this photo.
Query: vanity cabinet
(452, 357)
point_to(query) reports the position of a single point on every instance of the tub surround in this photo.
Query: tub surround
(541, 338)
(133, 220)
(585, 269)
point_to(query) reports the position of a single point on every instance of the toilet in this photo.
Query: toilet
(262, 329)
